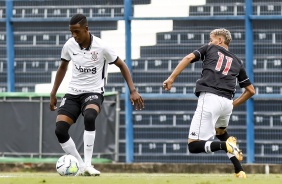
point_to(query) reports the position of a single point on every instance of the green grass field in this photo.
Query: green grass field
(138, 178)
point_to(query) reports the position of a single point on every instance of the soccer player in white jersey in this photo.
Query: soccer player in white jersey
(90, 57)
(216, 88)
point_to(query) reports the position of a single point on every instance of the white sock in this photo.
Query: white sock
(208, 147)
(89, 138)
(230, 155)
(70, 148)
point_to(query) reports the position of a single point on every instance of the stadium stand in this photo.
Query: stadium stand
(160, 131)
(160, 135)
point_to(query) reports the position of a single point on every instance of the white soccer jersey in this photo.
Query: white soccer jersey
(90, 65)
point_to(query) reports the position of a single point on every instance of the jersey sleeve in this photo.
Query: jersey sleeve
(200, 53)
(243, 78)
(65, 54)
(110, 55)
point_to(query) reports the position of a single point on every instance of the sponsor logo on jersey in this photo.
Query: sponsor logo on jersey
(193, 134)
(94, 56)
(78, 90)
(85, 70)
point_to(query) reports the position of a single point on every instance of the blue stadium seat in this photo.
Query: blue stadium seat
(262, 88)
(268, 134)
(195, 36)
(230, 1)
(77, 3)
(25, 87)
(268, 119)
(220, 9)
(179, 37)
(61, 27)
(55, 9)
(176, 50)
(264, 148)
(201, 10)
(269, 76)
(33, 77)
(161, 63)
(269, 8)
(39, 65)
(207, 24)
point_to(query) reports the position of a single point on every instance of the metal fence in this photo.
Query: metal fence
(28, 127)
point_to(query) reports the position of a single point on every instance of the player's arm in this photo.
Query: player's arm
(135, 97)
(167, 84)
(58, 80)
(248, 93)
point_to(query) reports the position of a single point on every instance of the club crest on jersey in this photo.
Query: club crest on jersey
(94, 56)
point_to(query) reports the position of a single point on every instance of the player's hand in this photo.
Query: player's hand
(136, 100)
(167, 84)
(53, 102)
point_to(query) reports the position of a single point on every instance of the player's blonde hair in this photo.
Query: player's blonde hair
(222, 32)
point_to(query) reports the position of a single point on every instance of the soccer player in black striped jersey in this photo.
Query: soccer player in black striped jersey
(221, 72)
(90, 58)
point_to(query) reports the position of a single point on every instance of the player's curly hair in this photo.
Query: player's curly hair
(223, 32)
(79, 19)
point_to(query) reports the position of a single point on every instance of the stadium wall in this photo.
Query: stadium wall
(150, 168)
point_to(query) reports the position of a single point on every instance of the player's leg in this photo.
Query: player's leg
(91, 110)
(222, 135)
(202, 127)
(68, 113)
(90, 114)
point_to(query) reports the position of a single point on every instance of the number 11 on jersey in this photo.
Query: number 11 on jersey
(220, 61)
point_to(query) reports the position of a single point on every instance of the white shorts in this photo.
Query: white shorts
(212, 112)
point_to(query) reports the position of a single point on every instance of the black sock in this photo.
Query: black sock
(218, 145)
(199, 146)
(237, 165)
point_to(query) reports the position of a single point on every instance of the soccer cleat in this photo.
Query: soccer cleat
(80, 171)
(91, 171)
(231, 145)
(240, 155)
(241, 174)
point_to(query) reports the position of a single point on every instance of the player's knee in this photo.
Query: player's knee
(191, 148)
(220, 130)
(196, 146)
(89, 119)
(61, 131)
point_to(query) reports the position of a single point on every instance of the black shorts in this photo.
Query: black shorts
(73, 105)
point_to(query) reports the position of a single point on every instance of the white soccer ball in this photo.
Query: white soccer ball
(67, 165)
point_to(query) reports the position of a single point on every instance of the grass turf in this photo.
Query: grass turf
(138, 178)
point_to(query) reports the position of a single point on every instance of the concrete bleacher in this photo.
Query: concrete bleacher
(193, 36)
(38, 49)
(179, 42)
(57, 9)
(157, 61)
(235, 8)
(66, 11)
(161, 129)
